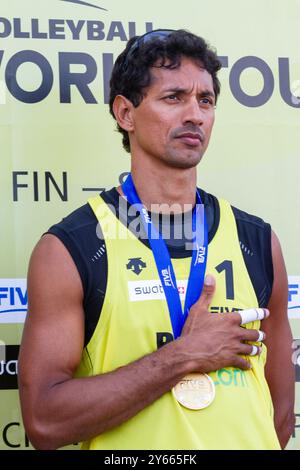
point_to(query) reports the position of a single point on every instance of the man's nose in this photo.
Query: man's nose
(193, 112)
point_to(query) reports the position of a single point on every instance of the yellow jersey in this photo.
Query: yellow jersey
(135, 320)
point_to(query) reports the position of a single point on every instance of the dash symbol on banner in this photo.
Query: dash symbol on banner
(93, 189)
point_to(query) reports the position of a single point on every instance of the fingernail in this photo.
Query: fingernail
(209, 280)
(267, 313)
(261, 336)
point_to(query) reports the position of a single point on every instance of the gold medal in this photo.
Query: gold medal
(195, 391)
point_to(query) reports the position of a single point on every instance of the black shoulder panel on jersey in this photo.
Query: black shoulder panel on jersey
(255, 241)
(82, 238)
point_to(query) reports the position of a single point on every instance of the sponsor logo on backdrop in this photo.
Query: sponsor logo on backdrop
(94, 71)
(104, 30)
(13, 300)
(13, 435)
(294, 297)
(9, 368)
(48, 186)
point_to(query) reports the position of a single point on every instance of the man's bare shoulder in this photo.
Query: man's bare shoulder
(52, 271)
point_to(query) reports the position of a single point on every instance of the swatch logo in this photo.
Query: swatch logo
(152, 289)
(86, 4)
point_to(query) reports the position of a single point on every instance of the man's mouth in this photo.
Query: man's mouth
(191, 138)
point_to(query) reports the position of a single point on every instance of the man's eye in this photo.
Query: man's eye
(172, 97)
(206, 102)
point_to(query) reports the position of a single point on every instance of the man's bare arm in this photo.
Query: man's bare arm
(59, 409)
(280, 372)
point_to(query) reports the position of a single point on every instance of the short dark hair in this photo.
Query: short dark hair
(131, 72)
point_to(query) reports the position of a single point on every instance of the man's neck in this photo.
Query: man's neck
(165, 190)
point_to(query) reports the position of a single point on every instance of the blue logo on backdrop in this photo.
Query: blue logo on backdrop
(293, 291)
(13, 300)
(294, 297)
(15, 296)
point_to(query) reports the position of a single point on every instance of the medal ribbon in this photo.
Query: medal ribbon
(163, 260)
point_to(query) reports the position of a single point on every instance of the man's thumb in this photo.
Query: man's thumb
(208, 291)
(209, 281)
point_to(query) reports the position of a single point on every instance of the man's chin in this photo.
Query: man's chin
(183, 161)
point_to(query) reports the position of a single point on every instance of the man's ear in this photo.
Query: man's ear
(122, 109)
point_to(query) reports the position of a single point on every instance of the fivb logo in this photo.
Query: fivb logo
(146, 215)
(294, 297)
(167, 278)
(201, 251)
(13, 300)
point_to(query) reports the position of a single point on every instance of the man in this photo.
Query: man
(110, 354)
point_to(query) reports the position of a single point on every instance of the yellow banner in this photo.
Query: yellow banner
(59, 145)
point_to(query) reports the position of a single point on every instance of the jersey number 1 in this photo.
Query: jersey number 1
(227, 267)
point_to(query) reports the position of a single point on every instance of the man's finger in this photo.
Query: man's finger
(251, 350)
(253, 314)
(255, 350)
(255, 336)
(208, 291)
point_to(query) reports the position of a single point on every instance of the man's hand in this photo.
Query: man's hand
(214, 341)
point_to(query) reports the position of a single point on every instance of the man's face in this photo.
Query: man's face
(173, 123)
